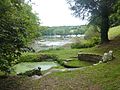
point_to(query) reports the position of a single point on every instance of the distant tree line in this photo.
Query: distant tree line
(64, 30)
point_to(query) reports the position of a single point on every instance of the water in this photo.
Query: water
(26, 66)
(55, 41)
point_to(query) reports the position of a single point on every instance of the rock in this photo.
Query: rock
(107, 56)
(110, 55)
(65, 62)
(36, 77)
(68, 60)
(100, 62)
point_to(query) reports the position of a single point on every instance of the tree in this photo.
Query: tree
(31, 22)
(17, 25)
(93, 31)
(97, 10)
(10, 34)
(115, 17)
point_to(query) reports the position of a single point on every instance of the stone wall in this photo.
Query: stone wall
(90, 57)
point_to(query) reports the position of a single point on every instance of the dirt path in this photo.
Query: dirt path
(58, 70)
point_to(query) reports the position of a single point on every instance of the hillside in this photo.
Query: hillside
(105, 76)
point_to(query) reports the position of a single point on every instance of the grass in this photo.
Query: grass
(78, 63)
(63, 53)
(114, 32)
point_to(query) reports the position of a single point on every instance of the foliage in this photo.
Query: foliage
(86, 43)
(37, 57)
(16, 29)
(93, 31)
(31, 23)
(10, 35)
(115, 17)
(64, 30)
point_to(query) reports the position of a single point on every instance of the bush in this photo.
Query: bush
(86, 43)
(47, 57)
(95, 40)
(35, 57)
(93, 31)
(51, 49)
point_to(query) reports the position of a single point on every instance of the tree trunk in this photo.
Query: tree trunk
(104, 29)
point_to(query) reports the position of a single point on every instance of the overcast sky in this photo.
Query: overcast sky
(55, 13)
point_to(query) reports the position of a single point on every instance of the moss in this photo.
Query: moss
(77, 63)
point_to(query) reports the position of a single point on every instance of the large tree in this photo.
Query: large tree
(98, 11)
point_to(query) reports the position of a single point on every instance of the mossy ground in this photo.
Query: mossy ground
(105, 76)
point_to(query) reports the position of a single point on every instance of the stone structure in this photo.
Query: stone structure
(90, 57)
(96, 58)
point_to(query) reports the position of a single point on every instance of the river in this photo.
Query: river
(55, 41)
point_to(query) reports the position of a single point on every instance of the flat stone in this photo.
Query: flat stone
(36, 77)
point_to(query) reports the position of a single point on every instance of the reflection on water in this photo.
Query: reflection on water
(55, 41)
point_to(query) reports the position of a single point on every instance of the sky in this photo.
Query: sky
(55, 13)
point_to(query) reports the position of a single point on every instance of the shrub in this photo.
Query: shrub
(86, 43)
(28, 57)
(47, 57)
(93, 31)
(51, 49)
(95, 40)
(35, 57)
